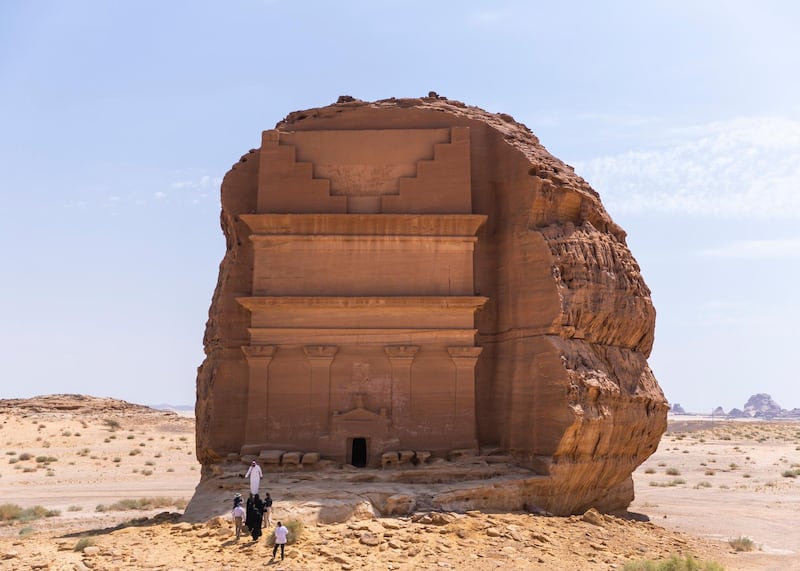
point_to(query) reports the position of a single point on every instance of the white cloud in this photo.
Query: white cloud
(744, 168)
(757, 249)
(160, 195)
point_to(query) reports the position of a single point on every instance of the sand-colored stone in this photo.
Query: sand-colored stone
(418, 274)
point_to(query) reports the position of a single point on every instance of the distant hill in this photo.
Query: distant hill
(760, 405)
(76, 403)
(164, 406)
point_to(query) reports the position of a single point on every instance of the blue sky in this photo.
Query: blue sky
(119, 119)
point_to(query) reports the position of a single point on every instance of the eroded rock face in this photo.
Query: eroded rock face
(417, 274)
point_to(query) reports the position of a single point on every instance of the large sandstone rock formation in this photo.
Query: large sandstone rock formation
(421, 277)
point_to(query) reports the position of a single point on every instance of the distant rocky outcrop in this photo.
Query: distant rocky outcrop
(761, 405)
(78, 404)
(737, 413)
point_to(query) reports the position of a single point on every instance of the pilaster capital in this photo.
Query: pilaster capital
(464, 356)
(401, 351)
(322, 354)
(401, 354)
(259, 352)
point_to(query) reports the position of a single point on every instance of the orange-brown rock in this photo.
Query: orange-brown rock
(416, 278)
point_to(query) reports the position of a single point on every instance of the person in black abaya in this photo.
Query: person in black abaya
(254, 514)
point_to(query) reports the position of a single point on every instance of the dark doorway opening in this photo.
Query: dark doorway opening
(358, 453)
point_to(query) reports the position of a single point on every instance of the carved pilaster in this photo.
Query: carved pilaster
(258, 359)
(320, 358)
(401, 357)
(464, 358)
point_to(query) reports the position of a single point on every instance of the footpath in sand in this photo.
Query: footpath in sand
(78, 457)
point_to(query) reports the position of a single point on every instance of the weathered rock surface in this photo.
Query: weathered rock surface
(563, 319)
(762, 405)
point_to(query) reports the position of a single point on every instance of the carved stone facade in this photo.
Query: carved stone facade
(362, 329)
(422, 275)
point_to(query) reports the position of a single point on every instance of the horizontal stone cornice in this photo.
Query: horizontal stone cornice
(365, 224)
(373, 336)
(346, 302)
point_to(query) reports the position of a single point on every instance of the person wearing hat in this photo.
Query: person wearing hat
(238, 515)
(255, 475)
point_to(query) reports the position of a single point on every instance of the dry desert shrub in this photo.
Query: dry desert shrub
(83, 543)
(673, 472)
(143, 504)
(13, 512)
(671, 483)
(295, 532)
(742, 543)
(674, 563)
(112, 424)
(9, 512)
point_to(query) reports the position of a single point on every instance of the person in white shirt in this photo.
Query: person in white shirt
(238, 517)
(281, 532)
(255, 475)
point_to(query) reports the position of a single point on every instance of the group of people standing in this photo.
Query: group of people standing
(256, 510)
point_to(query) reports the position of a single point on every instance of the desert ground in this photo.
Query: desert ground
(104, 484)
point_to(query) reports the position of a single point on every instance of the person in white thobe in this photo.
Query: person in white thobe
(255, 475)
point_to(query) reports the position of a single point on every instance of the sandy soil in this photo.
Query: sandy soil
(88, 452)
(732, 481)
